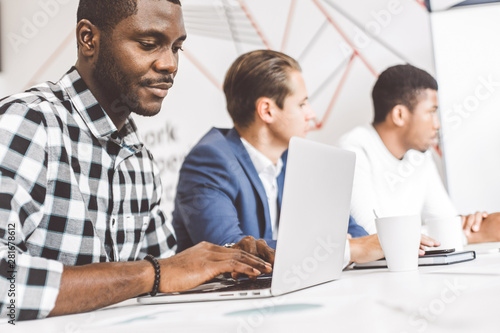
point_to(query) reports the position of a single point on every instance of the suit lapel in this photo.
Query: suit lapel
(281, 183)
(246, 163)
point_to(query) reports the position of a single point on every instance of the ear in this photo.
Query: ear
(87, 38)
(265, 109)
(399, 115)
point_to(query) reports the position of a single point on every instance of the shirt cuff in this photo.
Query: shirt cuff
(347, 254)
(465, 240)
(37, 281)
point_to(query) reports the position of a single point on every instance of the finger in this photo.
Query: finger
(236, 276)
(427, 241)
(257, 248)
(238, 267)
(219, 253)
(246, 258)
(247, 244)
(265, 252)
(469, 220)
(251, 247)
(421, 252)
(485, 215)
(257, 264)
(478, 219)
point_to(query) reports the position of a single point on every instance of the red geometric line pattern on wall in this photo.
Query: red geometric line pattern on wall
(286, 34)
(341, 84)
(258, 30)
(376, 37)
(291, 13)
(344, 36)
(422, 3)
(202, 69)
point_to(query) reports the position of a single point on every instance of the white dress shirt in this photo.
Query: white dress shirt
(268, 174)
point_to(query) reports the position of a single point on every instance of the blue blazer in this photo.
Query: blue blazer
(220, 198)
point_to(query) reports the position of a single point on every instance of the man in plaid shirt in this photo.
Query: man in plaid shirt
(79, 193)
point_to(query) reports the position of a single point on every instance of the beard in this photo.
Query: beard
(117, 86)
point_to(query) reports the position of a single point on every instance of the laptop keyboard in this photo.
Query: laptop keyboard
(221, 284)
(247, 284)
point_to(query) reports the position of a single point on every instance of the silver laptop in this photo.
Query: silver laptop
(312, 229)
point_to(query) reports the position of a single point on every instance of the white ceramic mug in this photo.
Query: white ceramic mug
(400, 240)
(446, 230)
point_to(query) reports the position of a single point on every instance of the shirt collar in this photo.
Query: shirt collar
(407, 157)
(96, 119)
(261, 162)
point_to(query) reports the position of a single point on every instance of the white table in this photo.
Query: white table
(457, 298)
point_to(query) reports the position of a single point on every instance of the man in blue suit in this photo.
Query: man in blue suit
(231, 183)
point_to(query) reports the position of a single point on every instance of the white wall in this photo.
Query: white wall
(468, 65)
(31, 33)
(196, 102)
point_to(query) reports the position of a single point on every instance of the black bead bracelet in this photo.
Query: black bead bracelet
(156, 266)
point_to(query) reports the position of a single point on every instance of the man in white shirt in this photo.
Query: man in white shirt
(395, 171)
(231, 182)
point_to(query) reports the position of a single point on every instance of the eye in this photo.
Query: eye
(147, 45)
(177, 48)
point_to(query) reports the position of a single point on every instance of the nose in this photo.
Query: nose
(437, 123)
(309, 112)
(167, 62)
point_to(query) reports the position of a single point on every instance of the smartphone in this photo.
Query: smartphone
(443, 251)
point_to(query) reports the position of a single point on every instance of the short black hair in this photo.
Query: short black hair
(400, 84)
(260, 73)
(106, 14)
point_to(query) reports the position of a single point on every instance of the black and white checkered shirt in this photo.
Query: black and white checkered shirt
(73, 191)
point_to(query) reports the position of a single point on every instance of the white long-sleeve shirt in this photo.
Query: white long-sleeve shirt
(390, 186)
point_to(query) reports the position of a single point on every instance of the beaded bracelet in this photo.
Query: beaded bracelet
(156, 266)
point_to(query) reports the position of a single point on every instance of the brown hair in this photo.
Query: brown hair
(261, 73)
